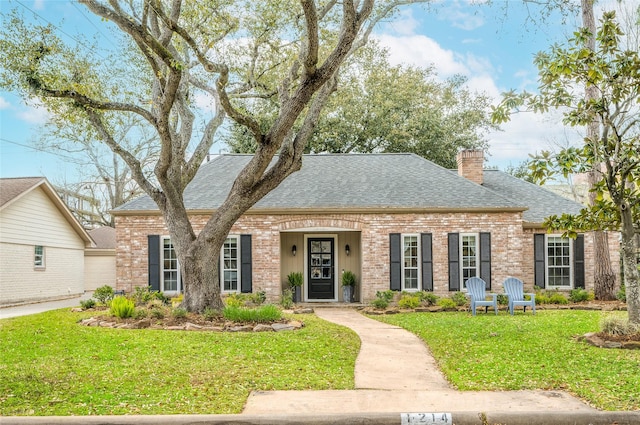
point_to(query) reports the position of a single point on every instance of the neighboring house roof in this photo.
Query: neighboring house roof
(104, 237)
(344, 181)
(542, 203)
(12, 189)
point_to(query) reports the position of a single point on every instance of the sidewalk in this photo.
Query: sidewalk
(395, 372)
(34, 308)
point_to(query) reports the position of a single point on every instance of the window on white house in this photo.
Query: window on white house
(170, 268)
(410, 263)
(38, 256)
(559, 260)
(470, 260)
(230, 264)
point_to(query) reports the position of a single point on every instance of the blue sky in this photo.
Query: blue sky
(493, 50)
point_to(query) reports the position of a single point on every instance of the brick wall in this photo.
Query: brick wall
(512, 247)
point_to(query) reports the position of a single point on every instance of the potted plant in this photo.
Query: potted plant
(348, 284)
(295, 280)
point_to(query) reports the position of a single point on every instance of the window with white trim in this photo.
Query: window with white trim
(170, 268)
(469, 257)
(230, 265)
(410, 263)
(38, 257)
(559, 259)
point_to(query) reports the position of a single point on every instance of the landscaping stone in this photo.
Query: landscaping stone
(192, 327)
(241, 328)
(143, 324)
(303, 311)
(262, 328)
(174, 328)
(279, 327)
(296, 324)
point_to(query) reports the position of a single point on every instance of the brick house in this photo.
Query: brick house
(397, 221)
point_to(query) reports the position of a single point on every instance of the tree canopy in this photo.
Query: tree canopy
(224, 51)
(614, 151)
(377, 107)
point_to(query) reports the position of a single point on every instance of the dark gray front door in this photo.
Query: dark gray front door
(320, 269)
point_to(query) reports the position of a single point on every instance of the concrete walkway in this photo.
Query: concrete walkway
(395, 372)
(40, 307)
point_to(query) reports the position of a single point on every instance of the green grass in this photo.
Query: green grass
(503, 352)
(50, 365)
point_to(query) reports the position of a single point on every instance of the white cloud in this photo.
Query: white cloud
(419, 50)
(405, 23)
(36, 114)
(462, 16)
(529, 133)
(4, 104)
(38, 5)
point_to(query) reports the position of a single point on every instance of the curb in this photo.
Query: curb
(450, 418)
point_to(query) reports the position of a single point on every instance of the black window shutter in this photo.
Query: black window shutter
(539, 270)
(395, 270)
(246, 278)
(454, 261)
(427, 262)
(578, 262)
(485, 258)
(153, 256)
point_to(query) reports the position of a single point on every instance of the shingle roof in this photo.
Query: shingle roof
(104, 237)
(11, 188)
(542, 203)
(347, 181)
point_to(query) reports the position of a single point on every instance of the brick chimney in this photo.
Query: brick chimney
(470, 165)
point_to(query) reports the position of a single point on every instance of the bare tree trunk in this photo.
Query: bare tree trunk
(631, 278)
(604, 277)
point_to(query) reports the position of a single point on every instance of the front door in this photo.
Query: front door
(320, 269)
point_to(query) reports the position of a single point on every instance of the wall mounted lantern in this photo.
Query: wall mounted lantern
(294, 249)
(347, 249)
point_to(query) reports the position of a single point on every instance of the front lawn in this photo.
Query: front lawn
(50, 365)
(504, 352)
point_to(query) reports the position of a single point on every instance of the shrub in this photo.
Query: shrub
(140, 313)
(179, 313)
(429, 298)
(142, 295)
(287, 299)
(161, 297)
(295, 279)
(446, 303)
(103, 294)
(122, 307)
(409, 301)
(263, 314)
(235, 300)
(622, 293)
(380, 303)
(210, 314)
(348, 278)
(176, 301)
(157, 313)
(558, 298)
(259, 297)
(618, 326)
(550, 297)
(579, 295)
(459, 298)
(503, 299)
(87, 304)
(388, 295)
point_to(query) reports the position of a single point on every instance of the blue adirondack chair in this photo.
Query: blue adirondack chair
(515, 292)
(476, 291)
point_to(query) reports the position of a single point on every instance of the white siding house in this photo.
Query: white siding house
(100, 260)
(42, 245)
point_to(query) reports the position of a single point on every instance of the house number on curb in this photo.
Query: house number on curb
(426, 418)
